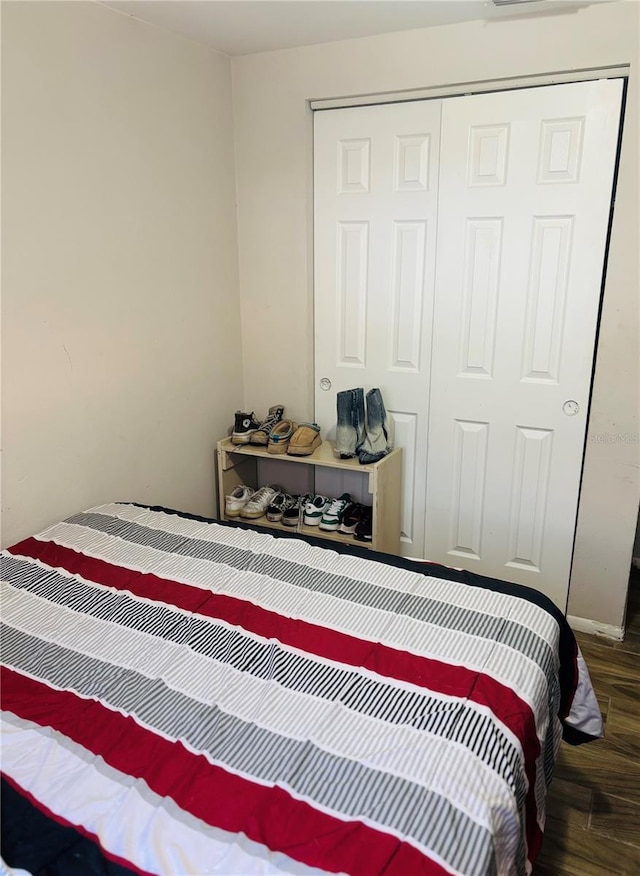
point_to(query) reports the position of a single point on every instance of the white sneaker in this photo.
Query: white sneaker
(314, 509)
(332, 517)
(260, 501)
(237, 499)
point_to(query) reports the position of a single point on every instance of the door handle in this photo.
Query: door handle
(571, 407)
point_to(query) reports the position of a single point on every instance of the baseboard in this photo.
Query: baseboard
(606, 631)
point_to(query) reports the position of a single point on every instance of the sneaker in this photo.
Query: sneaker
(237, 499)
(291, 515)
(351, 517)
(314, 509)
(279, 504)
(244, 427)
(332, 517)
(261, 434)
(364, 529)
(260, 501)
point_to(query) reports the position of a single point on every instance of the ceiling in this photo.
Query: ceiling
(241, 27)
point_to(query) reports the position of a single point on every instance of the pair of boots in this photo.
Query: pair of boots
(370, 440)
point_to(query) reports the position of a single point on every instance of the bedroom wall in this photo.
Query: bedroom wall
(274, 165)
(120, 323)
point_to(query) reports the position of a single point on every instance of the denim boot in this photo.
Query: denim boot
(350, 424)
(379, 438)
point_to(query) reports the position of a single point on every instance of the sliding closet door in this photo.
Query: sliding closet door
(375, 190)
(525, 188)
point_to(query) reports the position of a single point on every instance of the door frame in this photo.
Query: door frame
(478, 86)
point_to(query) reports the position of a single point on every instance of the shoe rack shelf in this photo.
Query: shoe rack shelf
(240, 464)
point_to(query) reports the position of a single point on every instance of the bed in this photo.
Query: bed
(182, 696)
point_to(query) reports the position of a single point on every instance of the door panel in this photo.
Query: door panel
(525, 189)
(376, 187)
(459, 249)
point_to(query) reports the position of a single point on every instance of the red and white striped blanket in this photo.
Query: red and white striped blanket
(192, 697)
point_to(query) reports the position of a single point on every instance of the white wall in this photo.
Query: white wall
(121, 326)
(274, 166)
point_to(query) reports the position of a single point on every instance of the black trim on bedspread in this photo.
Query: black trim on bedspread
(576, 737)
(567, 646)
(34, 842)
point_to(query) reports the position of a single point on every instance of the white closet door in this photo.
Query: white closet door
(375, 190)
(525, 189)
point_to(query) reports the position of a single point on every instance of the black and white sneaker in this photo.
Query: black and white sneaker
(244, 427)
(364, 529)
(278, 506)
(291, 515)
(351, 517)
(261, 434)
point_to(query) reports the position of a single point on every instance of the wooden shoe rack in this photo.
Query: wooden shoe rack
(254, 466)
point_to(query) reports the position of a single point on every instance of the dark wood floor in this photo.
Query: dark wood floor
(593, 820)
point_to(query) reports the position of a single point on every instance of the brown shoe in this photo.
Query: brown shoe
(280, 436)
(305, 440)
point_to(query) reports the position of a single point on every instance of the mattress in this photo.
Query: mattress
(182, 696)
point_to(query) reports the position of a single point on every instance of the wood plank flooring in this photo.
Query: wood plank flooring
(593, 815)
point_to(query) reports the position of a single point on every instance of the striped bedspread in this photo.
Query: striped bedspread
(188, 697)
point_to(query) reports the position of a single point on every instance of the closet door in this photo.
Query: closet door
(525, 189)
(375, 190)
